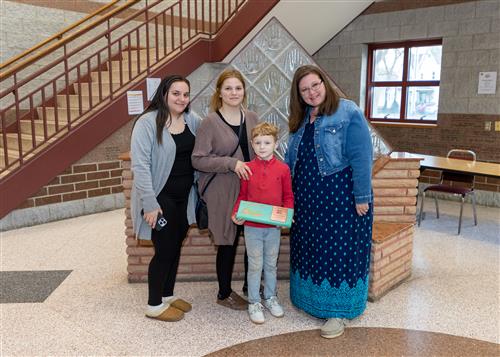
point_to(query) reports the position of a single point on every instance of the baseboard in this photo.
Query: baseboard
(31, 216)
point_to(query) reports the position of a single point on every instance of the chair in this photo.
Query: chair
(454, 183)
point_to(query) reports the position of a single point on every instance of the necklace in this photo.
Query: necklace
(177, 125)
(231, 117)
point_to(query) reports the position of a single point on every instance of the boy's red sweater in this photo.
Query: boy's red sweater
(270, 183)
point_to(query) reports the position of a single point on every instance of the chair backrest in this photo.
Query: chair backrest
(461, 154)
(466, 180)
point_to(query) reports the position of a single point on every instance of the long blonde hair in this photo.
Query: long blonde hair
(298, 106)
(216, 101)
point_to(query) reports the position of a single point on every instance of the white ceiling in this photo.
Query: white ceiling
(311, 22)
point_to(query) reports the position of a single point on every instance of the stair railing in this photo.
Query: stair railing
(80, 74)
(31, 52)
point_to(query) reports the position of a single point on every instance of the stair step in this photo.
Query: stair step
(12, 154)
(74, 101)
(84, 88)
(116, 76)
(142, 53)
(26, 141)
(124, 65)
(39, 127)
(62, 114)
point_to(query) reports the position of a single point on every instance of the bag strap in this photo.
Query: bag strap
(235, 149)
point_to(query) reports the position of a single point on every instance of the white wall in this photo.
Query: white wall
(312, 22)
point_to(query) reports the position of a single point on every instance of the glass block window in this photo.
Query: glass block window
(268, 63)
(403, 81)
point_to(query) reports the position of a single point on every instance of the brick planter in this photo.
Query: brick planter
(391, 257)
(394, 185)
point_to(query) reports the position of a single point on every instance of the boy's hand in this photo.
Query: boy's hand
(239, 222)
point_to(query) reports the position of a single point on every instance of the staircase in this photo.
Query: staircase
(52, 116)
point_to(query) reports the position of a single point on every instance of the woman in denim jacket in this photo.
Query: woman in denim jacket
(330, 157)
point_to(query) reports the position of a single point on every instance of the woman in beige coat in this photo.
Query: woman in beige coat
(216, 139)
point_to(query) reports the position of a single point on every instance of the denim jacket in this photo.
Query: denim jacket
(341, 140)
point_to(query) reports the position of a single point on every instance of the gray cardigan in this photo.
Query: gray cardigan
(151, 166)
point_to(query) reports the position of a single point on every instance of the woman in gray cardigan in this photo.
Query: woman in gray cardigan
(217, 139)
(161, 146)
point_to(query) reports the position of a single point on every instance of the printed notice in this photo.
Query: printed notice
(151, 87)
(135, 102)
(487, 83)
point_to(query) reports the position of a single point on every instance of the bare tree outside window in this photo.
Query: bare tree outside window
(403, 81)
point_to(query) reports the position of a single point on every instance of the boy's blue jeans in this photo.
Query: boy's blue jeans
(263, 246)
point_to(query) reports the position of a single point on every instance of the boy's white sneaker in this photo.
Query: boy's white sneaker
(256, 312)
(274, 307)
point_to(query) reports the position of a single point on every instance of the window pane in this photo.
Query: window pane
(388, 64)
(386, 102)
(422, 103)
(425, 63)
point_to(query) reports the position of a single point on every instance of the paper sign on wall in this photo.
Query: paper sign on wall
(487, 83)
(151, 87)
(135, 102)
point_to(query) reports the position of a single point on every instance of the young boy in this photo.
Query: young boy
(271, 184)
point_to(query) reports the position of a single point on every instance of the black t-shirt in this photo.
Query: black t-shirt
(243, 139)
(184, 143)
(243, 143)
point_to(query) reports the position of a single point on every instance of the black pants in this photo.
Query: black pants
(225, 263)
(167, 243)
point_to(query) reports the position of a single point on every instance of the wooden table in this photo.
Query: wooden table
(454, 165)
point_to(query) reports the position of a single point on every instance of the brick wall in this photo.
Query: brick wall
(394, 183)
(78, 182)
(483, 183)
(453, 131)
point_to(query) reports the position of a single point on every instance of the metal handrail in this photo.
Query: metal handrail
(62, 41)
(62, 94)
(58, 35)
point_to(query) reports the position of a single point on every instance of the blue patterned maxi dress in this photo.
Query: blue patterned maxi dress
(330, 244)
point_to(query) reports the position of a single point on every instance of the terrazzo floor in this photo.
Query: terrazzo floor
(454, 292)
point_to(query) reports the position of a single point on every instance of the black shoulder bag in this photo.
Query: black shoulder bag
(201, 209)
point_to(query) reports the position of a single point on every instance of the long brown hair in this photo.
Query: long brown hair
(159, 103)
(216, 101)
(298, 106)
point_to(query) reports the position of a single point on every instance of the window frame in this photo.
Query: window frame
(405, 83)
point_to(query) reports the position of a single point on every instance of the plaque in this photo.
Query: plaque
(267, 214)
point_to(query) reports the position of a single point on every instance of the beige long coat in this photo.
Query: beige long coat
(215, 140)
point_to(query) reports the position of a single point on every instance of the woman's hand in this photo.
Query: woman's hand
(242, 170)
(150, 217)
(239, 222)
(362, 208)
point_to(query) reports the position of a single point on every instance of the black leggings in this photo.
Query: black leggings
(167, 243)
(225, 263)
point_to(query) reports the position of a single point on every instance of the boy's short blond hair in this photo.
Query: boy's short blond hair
(265, 128)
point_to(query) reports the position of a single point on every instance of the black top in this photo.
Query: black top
(184, 143)
(243, 139)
